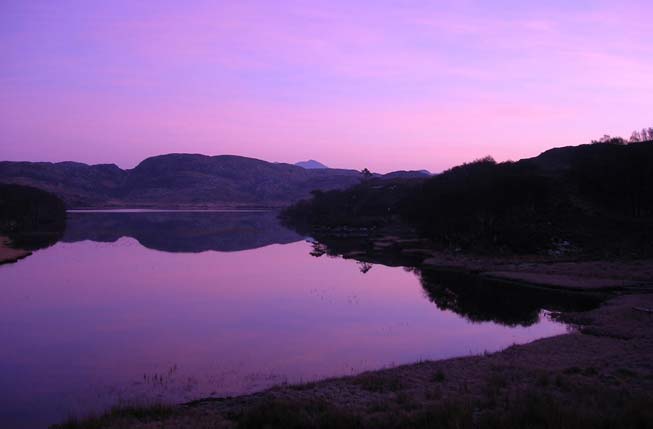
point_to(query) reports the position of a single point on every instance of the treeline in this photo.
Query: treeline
(30, 217)
(370, 204)
(645, 135)
(616, 178)
(596, 198)
(486, 204)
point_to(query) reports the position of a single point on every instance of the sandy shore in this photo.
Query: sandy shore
(9, 254)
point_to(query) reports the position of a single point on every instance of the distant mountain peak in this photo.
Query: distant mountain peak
(310, 164)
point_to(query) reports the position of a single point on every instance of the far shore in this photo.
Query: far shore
(174, 210)
(572, 272)
(174, 207)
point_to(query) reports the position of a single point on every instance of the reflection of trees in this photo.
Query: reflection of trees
(364, 267)
(477, 298)
(318, 249)
(480, 299)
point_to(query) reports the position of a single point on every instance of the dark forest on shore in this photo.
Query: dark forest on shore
(590, 199)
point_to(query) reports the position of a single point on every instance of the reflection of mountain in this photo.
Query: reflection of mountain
(182, 231)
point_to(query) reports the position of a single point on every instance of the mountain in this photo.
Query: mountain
(178, 180)
(311, 164)
(407, 174)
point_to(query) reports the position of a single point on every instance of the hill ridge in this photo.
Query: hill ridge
(177, 180)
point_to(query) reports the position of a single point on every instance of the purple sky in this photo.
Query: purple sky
(380, 84)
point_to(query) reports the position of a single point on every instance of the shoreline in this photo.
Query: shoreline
(609, 353)
(571, 272)
(174, 207)
(9, 255)
(189, 210)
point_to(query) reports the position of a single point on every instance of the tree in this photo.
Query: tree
(616, 140)
(607, 138)
(650, 133)
(635, 137)
(366, 174)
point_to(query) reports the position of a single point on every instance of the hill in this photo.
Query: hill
(594, 199)
(177, 180)
(407, 174)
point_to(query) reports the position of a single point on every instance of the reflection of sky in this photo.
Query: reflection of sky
(367, 83)
(84, 322)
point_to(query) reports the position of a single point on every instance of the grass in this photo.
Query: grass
(538, 409)
(280, 414)
(140, 413)
(532, 408)
(438, 377)
(538, 406)
(379, 382)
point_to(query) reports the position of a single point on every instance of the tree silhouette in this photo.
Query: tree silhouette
(636, 137)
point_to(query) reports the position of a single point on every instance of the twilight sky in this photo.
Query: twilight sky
(370, 83)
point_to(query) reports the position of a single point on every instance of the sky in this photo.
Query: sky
(380, 84)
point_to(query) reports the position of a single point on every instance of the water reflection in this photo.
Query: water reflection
(481, 299)
(475, 297)
(102, 317)
(187, 232)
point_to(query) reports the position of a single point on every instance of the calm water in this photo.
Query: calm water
(179, 306)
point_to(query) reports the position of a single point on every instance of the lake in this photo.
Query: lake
(178, 306)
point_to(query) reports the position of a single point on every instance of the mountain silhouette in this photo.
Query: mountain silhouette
(407, 174)
(178, 180)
